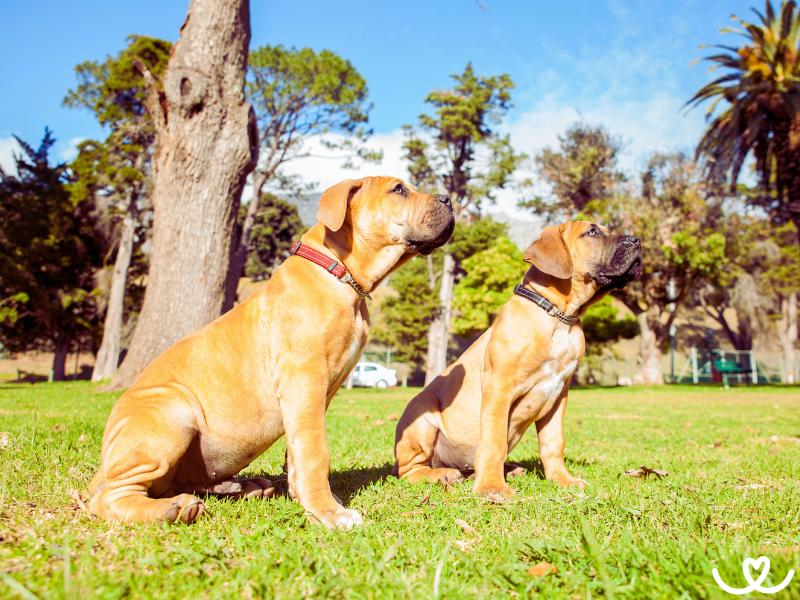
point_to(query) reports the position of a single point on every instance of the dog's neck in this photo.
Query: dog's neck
(368, 263)
(569, 295)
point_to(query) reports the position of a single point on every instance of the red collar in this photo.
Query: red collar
(332, 266)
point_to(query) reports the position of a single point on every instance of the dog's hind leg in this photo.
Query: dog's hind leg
(415, 440)
(140, 452)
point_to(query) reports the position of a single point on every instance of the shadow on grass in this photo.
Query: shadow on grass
(345, 483)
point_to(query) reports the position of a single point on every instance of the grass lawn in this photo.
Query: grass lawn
(733, 491)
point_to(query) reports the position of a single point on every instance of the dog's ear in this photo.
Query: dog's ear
(333, 203)
(550, 254)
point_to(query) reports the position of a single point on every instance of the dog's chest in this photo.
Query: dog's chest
(546, 383)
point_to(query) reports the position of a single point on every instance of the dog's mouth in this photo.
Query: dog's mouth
(425, 245)
(624, 267)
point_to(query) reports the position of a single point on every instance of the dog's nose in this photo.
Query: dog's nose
(629, 240)
(443, 199)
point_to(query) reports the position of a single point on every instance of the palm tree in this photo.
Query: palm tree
(760, 116)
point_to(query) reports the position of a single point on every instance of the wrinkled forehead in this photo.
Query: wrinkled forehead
(575, 229)
(382, 184)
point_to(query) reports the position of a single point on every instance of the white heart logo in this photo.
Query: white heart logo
(749, 566)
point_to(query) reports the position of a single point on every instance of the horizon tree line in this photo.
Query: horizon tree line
(134, 195)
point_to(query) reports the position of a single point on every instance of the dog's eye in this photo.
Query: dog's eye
(593, 231)
(400, 189)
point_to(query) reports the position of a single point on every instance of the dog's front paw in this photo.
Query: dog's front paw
(567, 480)
(341, 518)
(494, 493)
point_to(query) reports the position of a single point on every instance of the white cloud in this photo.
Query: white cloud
(645, 125)
(8, 148)
(324, 167)
(69, 150)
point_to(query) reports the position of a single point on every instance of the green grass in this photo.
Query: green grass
(733, 490)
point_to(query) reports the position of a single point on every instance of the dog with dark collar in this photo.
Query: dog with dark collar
(214, 401)
(518, 372)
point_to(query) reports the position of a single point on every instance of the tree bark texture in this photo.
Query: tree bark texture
(206, 144)
(788, 337)
(242, 241)
(649, 354)
(108, 355)
(439, 332)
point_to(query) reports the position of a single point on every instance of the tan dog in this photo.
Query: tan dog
(518, 372)
(214, 401)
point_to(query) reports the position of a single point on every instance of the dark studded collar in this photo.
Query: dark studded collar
(545, 304)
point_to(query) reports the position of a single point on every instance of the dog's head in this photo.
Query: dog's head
(588, 255)
(387, 211)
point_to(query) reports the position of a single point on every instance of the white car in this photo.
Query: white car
(370, 374)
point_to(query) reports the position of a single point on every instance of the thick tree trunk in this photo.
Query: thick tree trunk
(649, 354)
(206, 144)
(788, 337)
(108, 355)
(240, 246)
(439, 332)
(60, 359)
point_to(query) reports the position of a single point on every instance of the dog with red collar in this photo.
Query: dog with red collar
(214, 401)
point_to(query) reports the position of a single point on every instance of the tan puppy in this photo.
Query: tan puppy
(214, 401)
(518, 372)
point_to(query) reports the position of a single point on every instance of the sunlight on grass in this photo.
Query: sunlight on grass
(733, 459)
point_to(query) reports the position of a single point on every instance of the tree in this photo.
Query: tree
(488, 282)
(408, 312)
(759, 96)
(275, 227)
(444, 152)
(583, 169)
(206, 144)
(116, 171)
(783, 276)
(741, 287)
(675, 217)
(602, 326)
(48, 254)
(299, 94)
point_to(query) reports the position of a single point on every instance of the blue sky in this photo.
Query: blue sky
(627, 65)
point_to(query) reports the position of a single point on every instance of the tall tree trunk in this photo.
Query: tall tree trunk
(242, 242)
(649, 354)
(108, 356)
(439, 332)
(206, 144)
(60, 359)
(788, 337)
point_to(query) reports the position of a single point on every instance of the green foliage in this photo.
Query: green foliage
(489, 279)
(474, 236)
(48, 253)
(276, 225)
(465, 120)
(758, 94)
(783, 272)
(602, 326)
(114, 173)
(407, 314)
(582, 170)
(301, 93)
(113, 89)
